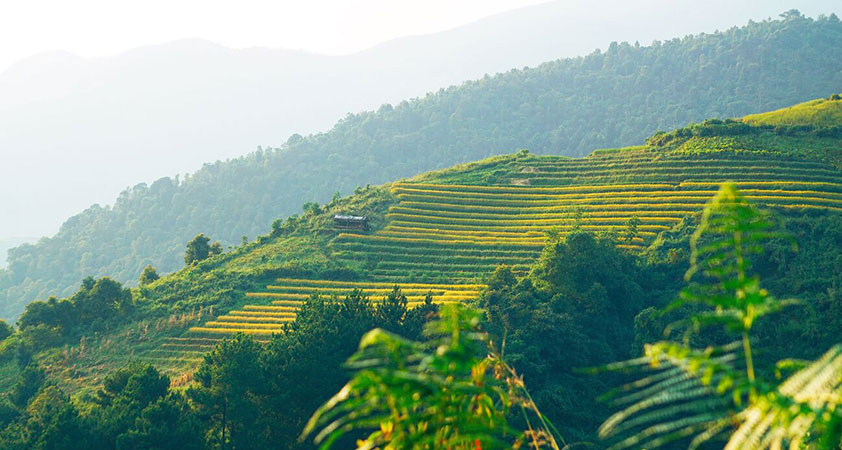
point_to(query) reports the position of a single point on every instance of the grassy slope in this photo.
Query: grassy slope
(820, 112)
(306, 247)
(169, 306)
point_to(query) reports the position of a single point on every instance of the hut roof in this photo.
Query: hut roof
(350, 218)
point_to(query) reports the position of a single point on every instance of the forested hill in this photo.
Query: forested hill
(606, 99)
(571, 260)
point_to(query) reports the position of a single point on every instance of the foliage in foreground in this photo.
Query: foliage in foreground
(698, 395)
(576, 308)
(452, 391)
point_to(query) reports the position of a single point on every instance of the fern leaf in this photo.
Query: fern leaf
(802, 406)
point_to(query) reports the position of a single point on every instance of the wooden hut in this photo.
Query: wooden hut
(343, 222)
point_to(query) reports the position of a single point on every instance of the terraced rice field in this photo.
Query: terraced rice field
(180, 351)
(460, 232)
(277, 305)
(447, 237)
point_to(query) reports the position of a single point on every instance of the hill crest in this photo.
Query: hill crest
(818, 113)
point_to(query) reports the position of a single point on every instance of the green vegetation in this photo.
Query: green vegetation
(200, 249)
(445, 392)
(440, 231)
(416, 400)
(133, 410)
(581, 303)
(436, 236)
(244, 394)
(569, 261)
(445, 239)
(96, 306)
(261, 395)
(732, 135)
(148, 275)
(819, 113)
(605, 99)
(700, 395)
(287, 296)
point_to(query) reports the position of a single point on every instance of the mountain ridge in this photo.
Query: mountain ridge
(566, 106)
(149, 124)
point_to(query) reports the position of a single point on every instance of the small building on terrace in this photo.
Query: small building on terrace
(343, 222)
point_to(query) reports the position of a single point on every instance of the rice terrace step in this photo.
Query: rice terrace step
(277, 305)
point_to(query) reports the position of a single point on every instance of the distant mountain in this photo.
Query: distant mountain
(566, 107)
(78, 131)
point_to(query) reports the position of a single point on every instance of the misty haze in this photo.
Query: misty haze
(77, 131)
(470, 225)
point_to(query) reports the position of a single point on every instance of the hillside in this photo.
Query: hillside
(445, 232)
(820, 112)
(566, 107)
(441, 237)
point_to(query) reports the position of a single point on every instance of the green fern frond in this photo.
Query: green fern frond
(451, 390)
(731, 231)
(698, 395)
(804, 405)
(684, 393)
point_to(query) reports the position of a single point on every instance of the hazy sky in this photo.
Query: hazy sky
(60, 136)
(107, 27)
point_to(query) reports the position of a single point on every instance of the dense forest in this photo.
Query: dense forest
(571, 106)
